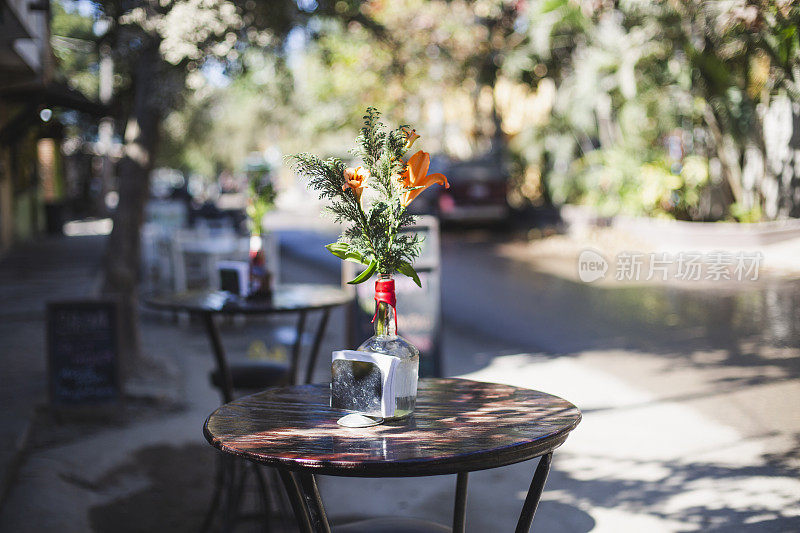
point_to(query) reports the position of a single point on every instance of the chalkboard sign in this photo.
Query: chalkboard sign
(82, 346)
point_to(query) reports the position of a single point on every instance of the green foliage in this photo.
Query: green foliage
(261, 197)
(74, 47)
(615, 181)
(624, 78)
(219, 126)
(621, 83)
(373, 234)
(746, 214)
(642, 89)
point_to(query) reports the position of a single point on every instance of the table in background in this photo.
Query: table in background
(290, 298)
(287, 298)
(459, 426)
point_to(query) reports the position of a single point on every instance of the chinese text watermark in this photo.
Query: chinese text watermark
(662, 266)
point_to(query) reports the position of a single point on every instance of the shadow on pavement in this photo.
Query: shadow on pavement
(176, 485)
(712, 498)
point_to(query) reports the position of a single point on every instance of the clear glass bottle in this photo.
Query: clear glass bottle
(387, 341)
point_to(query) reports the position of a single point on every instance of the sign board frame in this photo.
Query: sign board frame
(105, 368)
(428, 265)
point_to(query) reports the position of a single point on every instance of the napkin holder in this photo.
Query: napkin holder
(234, 277)
(364, 382)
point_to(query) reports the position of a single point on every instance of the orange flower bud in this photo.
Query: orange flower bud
(355, 179)
(411, 136)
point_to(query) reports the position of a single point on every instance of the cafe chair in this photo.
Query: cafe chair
(232, 475)
(253, 376)
(195, 254)
(230, 377)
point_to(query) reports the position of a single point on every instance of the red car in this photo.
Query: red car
(477, 190)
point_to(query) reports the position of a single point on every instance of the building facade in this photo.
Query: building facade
(25, 60)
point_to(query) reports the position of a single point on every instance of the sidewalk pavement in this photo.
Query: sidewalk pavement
(32, 274)
(148, 468)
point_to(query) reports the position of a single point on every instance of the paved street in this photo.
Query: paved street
(689, 399)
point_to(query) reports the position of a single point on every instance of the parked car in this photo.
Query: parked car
(477, 191)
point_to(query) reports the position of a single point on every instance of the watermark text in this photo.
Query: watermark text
(662, 266)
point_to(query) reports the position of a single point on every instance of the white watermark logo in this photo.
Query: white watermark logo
(683, 266)
(591, 266)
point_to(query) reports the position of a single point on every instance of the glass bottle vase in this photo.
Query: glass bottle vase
(260, 276)
(387, 341)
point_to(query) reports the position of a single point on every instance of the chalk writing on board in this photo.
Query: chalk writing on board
(82, 352)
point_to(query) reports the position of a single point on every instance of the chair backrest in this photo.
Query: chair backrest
(169, 214)
(196, 254)
(272, 251)
(419, 310)
(157, 268)
(217, 225)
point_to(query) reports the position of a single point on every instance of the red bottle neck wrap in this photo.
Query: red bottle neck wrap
(257, 258)
(384, 293)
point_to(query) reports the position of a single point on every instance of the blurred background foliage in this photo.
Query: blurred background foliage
(687, 110)
(74, 46)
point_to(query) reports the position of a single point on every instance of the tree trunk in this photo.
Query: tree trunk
(726, 152)
(123, 251)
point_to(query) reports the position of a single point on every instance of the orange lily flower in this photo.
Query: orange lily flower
(411, 136)
(356, 179)
(416, 177)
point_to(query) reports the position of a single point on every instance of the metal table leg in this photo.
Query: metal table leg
(219, 355)
(226, 493)
(266, 506)
(306, 502)
(223, 492)
(311, 518)
(316, 511)
(460, 508)
(296, 499)
(230, 504)
(534, 494)
(311, 362)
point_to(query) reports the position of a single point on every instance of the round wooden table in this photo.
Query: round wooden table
(459, 426)
(287, 298)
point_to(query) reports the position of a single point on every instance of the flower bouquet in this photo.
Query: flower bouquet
(371, 200)
(260, 199)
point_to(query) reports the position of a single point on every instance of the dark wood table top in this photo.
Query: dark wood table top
(458, 426)
(286, 298)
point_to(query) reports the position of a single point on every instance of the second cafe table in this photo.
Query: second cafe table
(296, 298)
